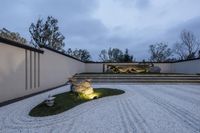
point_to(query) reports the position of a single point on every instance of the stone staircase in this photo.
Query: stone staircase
(139, 78)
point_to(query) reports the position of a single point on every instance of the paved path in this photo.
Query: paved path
(142, 109)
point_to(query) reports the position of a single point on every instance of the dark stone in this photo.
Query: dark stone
(155, 69)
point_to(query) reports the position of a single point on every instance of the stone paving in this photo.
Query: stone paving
(142, 109)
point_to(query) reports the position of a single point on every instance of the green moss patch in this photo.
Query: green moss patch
(68, 100)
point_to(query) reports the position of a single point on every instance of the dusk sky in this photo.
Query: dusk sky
(99, 24)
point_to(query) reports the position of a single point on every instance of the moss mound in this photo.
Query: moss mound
(68, 100)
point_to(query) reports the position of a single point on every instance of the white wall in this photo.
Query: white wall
(165, 67)
(94, 67)
(189, 67)
(24, 72)
(56, 69)
(12, 72)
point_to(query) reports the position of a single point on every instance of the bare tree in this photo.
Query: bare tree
(160, 52)
(103, 56)
(180, 51)
(188, 47)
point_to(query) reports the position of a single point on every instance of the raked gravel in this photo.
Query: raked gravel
(142, 109)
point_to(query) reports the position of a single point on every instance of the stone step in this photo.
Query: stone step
(145, 81)
(139, 78)
(192, 78)
(134, 75)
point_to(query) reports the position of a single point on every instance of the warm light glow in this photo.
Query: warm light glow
(90, 96)
(93, 95)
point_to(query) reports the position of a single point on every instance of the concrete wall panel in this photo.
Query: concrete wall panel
(94, 67)
(189, 67)
(55, 69)
(12, 72)
(24, 72)
(165, 67)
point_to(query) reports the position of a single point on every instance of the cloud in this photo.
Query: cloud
(100, 24)
(139, 4)
(142, 3)
(191, 25)
(18, 14)
(90, 27)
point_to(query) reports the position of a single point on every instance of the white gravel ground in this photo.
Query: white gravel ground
(142, 109)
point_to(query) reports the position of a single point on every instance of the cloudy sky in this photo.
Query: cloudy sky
(100, 24)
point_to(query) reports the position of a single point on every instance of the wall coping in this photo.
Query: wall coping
(20, 45)
(186, 60)
(56, 51)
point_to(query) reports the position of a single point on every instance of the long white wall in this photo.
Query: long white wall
(26, 71)
(187, 67)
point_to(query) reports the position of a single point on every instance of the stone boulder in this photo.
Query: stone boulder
(83, 87)
(155, 69)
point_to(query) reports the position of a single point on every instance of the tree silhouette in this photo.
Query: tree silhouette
(47, 34)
